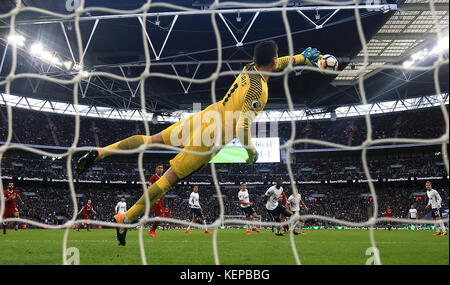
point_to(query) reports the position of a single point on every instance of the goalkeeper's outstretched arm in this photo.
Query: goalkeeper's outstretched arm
(307, 57)
(244, 134)
(253, 104)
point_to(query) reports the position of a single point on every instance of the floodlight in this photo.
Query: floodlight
(68, 64)
(36, 49)
(17, 40)
(408, 63)
(46, 55)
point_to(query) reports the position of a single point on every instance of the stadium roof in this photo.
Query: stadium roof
(186, 46)
(403, 34)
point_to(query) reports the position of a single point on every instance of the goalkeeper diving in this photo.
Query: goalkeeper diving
(229, 118)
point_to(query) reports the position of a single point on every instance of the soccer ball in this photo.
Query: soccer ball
(327, 62)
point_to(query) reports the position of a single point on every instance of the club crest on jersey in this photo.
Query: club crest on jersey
(243, 80)
(255, 105)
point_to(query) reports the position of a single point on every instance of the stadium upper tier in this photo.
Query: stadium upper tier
(47, 129)
(319, 170)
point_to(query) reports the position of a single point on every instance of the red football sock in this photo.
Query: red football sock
(4, 228)
(286, 228)
(87, 226)
(155, 226)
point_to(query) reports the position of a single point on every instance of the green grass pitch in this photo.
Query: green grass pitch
(317, 247)
(231, 154)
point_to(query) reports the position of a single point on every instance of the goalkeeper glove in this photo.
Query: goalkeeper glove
(252, 156)
(311, 55)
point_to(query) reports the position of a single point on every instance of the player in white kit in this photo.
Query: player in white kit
(274, 208)
(121, 206)
(413, 215)
(196, 210)
(247, 207)
(434, 201)
(294, 205)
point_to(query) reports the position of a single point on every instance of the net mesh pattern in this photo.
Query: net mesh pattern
(361, 71)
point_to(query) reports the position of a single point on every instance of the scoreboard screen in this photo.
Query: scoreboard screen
(268, 151)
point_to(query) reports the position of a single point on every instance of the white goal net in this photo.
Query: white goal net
(213, 10)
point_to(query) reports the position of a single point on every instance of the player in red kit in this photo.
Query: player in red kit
(283, 201)
(389, 214)
(86, 211)
(11, 195)
(166, 212)
(159, 206)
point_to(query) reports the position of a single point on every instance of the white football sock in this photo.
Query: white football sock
(441, 223)
(256, 222)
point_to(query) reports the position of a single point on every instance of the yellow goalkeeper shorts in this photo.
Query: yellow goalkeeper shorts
(195, 133)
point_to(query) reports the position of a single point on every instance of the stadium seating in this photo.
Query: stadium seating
(49, 201)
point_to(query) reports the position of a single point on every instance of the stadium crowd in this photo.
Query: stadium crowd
(32, 127)
(307, 170)
(53, 205)
(419, 124)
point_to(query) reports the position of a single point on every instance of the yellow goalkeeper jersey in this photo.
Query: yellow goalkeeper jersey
(246, 98)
